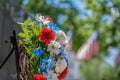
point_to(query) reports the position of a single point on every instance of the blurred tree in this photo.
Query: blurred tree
(97, 14)
(103, 16)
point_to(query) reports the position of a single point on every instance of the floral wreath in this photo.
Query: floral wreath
(45, 44)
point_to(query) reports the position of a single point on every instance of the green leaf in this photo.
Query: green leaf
(27, 22)
(32, 56)
(22, 35)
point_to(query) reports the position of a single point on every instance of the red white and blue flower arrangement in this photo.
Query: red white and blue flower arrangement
(45, 45)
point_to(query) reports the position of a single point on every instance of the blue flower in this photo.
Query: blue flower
(63, 55)
(47, 63)
(54, 27)
(38, 51)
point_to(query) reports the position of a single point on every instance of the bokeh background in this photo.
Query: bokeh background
(82, 17)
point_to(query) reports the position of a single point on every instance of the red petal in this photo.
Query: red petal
(48, 18)
(39, 77)
(46, 35)
(63, 74)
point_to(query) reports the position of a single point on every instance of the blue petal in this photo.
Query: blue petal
(54, 27)
(38, 51)
(47, 63)
(63, 55)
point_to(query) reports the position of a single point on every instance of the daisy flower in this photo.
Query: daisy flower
(44, 19)
(53, 47)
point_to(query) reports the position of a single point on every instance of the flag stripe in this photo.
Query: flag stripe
(89, 48)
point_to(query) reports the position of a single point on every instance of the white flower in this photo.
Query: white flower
(60, 66)
(61, 37)
(53, 47)
(42, 19)
(53, 75)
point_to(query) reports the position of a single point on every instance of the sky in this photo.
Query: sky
(111, 58)
(25, 1)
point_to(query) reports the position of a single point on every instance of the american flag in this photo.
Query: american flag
(69, 39)
(117, 59)
(89, 48)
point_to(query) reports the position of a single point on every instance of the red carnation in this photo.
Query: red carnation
(63, 74)
(48, 18)
(46, 35)
(39, 77)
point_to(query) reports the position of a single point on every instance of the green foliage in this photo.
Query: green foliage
(99, 70)
(105, 16)
(30, 31)
(30, 39)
